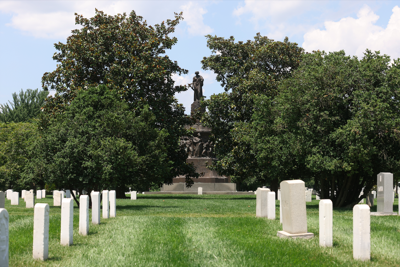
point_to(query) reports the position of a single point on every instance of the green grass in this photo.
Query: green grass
(191, 230)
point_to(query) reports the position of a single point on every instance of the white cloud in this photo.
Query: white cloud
(194, 19)
(354, 36)
(277, 16)
(56, 19)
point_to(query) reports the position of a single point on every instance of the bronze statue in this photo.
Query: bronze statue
(198, 86)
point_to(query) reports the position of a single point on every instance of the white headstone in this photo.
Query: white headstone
(68, 193)
(84, 215)
(280, 211)
(57, 198)
(23, 194)
(317, 197)
(294, 214)
(15, 198)
(2, 199)
(271, 205)
(325, 223)
(30, 199)
(38, 194)
(279, 194)
(105, 207)
(67, 221)
(113, 204)
(74, 191)
(374, 193)
(43, 193)
(9, 192)
(200, 190)
(95, 207)
(41, 231)
(361, 232)
(308, 196)
(4, 238)
(262, 202)
(133, 195)
(385, 195)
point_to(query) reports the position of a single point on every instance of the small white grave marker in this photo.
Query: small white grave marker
(9, 192)
(43, 193)
(200, 190)
(57, 198)
(41, 231)
(361, 232)
(23, 194)
(84, 215)
(325, 223)
(4, 238)
(106, 211)
(67, 193)
(294, 214)
(113, 205)
(262, 202)
(38, 194)
(15, 198)
(308, 196)
(30, 199)
(271, 205)
(67, 222)
(95, 207)
(133, 195)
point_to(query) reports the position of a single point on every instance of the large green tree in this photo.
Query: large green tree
(244, 69)
(335, 120)
(97, 143)
(25, 106)
(124, 54)
(17, 140)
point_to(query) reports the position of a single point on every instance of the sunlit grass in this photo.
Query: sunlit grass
(191, 230)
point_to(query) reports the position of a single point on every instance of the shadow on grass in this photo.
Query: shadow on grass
(192, 197)
(54, 258)
(142, 207)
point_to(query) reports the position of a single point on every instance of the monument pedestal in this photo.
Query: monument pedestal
(199, 149)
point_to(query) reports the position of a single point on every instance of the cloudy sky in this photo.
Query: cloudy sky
(29, 29)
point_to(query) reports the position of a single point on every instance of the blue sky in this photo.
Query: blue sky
(29, 29)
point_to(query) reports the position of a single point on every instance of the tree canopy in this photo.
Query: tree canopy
(335, 120)
(97, 143)
(124, 54)
(244, 69)
(25, 106)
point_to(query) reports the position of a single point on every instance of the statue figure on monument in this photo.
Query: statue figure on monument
(198, 86)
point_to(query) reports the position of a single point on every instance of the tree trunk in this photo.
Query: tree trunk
(73, 195)
(274, 187)
(120, 191)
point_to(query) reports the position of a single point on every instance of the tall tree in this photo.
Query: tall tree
(244, 69)
(25, 106)
(334, 120)
(124, 54)
(16, 142)
(98, 143)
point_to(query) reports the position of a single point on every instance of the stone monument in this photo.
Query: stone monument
(385, 195)
(294, 213)
(200, 152)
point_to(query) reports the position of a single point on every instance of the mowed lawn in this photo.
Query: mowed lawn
(191, 230)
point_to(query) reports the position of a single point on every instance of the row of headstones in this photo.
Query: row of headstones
(293, 213)
(41, 222)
